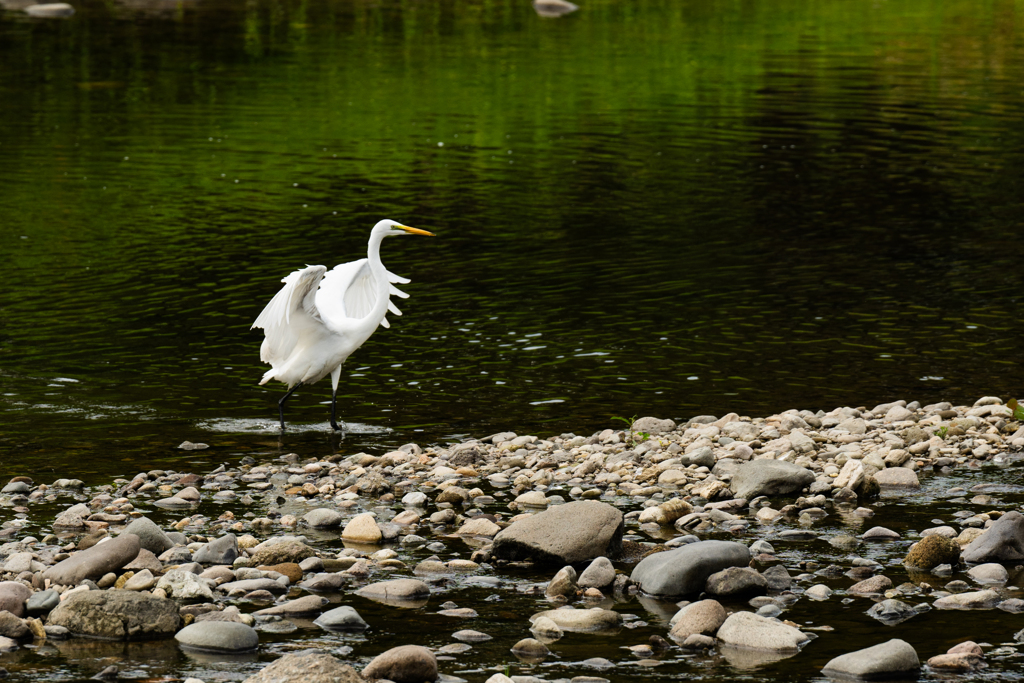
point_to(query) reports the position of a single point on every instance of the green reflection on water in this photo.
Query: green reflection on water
(785, 191)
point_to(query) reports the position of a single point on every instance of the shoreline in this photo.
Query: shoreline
(631, 495)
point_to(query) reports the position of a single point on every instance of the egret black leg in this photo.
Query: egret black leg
(280, 404)
(334, 411)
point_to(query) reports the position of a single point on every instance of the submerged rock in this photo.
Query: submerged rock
(887, 659)
(753, 632)
(582, 620)
(218, 636)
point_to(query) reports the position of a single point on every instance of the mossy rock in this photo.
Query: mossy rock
(931, 551)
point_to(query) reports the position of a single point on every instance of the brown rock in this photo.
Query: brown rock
(290, 569)
(876, 584)
(968, 646)
(404, 664)
(11, 626)
(931, 551)
(702, 617)
(307, 667)
(278, 553)
(13, 595)
(958, 663)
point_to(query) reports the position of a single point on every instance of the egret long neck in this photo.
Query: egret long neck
(380, 277)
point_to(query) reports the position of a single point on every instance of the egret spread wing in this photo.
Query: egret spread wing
(297, 299)
(349, 291)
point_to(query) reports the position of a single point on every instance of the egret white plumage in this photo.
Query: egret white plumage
(320, 317)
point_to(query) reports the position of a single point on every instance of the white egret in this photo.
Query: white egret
(320, 318)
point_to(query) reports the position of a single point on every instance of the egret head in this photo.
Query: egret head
(391, 228)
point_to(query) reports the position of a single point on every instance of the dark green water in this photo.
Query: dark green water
(650, 207)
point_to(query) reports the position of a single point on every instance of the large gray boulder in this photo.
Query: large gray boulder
(307, 666)
(685, 570)
(116, 615)
(223, 550)
(151, 537)
(885, 660)
(109, 556)
(563, 534)
(769, 478)
(1003, 542)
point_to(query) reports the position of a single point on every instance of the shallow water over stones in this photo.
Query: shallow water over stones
(469, 591)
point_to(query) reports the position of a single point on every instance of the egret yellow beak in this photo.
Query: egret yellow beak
(414, 231)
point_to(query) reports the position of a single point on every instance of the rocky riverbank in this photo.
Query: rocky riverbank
(684, 517)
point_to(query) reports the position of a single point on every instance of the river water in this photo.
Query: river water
(647, 207)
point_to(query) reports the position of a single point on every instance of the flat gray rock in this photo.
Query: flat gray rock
(887, 659)
(685, 570)
(116, 615)
(151, 537)
(343, 618)
(769, 478)
(754, 632)
(221, 550)
(218, 636)
(109, 556)
(396, 590)
(1003, 542)
(563, 534)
